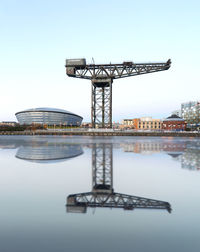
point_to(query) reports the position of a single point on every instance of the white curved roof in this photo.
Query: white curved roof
(44, 109)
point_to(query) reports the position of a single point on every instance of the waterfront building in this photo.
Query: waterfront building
(86, 125)
(174, 122)
(127, 122)
(144, 123)
(190, 111)
(8, 123)
(48, 116)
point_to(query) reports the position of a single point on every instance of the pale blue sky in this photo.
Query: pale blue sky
(37, 37)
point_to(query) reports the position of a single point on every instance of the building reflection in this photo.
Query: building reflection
(102, 193)
(183, 151)
(10, 143)
(190, 159)
(48, 152)
(151, 147)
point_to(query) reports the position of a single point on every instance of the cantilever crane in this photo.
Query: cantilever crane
(102, 76)
(102, 194)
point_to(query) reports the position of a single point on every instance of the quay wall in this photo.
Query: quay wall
(103, 133)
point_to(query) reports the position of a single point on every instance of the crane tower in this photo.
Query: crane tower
(102, 76)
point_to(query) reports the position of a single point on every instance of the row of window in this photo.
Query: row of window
(149, 123)
(150, 127)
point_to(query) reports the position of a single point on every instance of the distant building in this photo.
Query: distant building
(8, 123)
(127, 122)
(190, 111)
(174, 122)
(86, 125)
(144, 123)
(130, 123)
(116, 125)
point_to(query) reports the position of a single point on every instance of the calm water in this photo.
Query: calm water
(39, 174)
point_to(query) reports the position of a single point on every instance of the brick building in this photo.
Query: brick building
(174, 122)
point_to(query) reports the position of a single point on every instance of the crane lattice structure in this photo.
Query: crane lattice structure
(102, 194)
(102, 76)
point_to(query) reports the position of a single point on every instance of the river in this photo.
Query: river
(75, 193)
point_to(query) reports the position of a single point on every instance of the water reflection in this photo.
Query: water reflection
(102, 194)
(42, 150)
(49, 152)
(39, 222)
(38, 149)
(186, 152)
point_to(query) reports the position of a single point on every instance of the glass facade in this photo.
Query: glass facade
(48, 116)
(190, 111)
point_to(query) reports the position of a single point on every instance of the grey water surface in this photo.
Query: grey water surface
(43, 178)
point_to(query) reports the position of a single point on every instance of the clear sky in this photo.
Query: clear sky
(37, 36)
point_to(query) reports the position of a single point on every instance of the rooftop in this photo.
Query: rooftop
(174, 117)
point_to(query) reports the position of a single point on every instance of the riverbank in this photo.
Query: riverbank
(95, 132)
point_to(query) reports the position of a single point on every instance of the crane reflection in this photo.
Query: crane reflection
(102, 193)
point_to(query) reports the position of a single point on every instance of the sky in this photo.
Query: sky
(37, 36)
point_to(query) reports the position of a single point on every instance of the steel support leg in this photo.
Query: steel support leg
(101, 108)
(93, 105)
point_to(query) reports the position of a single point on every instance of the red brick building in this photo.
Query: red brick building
(174, 122)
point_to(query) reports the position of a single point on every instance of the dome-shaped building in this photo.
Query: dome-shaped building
(174, 122)
(48, 116)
